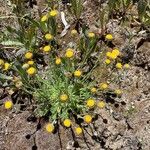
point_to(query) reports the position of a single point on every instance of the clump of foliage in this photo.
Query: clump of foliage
(59, 75)
(121, 8)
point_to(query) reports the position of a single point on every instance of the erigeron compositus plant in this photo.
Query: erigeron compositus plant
(62, 87)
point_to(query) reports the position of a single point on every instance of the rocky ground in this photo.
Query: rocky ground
(123, 125)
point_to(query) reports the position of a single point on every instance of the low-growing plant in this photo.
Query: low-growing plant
(144, 12)
(77, 7)
(63, 87)
(119, 5)
(119, 8)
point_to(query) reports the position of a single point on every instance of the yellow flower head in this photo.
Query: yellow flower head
(53, 13)
(78, 130)
(126, 66)
(108, 54)
(88, 118)
(64, 97)
(101, 104)
(6, 66)
(28, 55)
(90, 103)
(109, 37)
(118, 92)
(93, 90)
(116, 52)
(119, 66)
(1, 62)
(77, 73)
(74, 32)
(104, 86)
(30, 62)
(113, 56)
(69, 53)
(49, 127)
(25, 66)
(67, 122)
(48, 36)
(31, 71)
(44, 18)
(107, 61)
(58, 61)
(8, 104)
(91, 35)
(47, 48)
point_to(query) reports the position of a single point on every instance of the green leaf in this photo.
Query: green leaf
(77, 7)
(113, 4)
(11, 30)
(5, 77)
(11, 43)
(142, 5)
(34, 22)
(21, 72)
(44, 27)
(127, 2)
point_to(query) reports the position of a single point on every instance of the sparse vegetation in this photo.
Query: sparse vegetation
(68, 74)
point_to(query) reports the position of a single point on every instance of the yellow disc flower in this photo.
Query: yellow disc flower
(78, 130)
(8, 104)
(25, 66)
(30, 62)
(93, 90)
(44, 18)
(69, 53)
(28, 55)
(109, 37)
(116, 52)
(119, 66)
(58, 61)
(64, 97)
(108, 54)
(88, 118)
(77, 73)
(104, 86)
(49, 127)
(118, 92)
(91, 35)
(1, 62)
(53, 13)
(48, 36)
(90, 103)
(107, 61)
(74, 32)
(6, 66)
(113, 56)
(101, 104)
(67, 122)
(126, 66)
(31, 71)
(46, 48)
